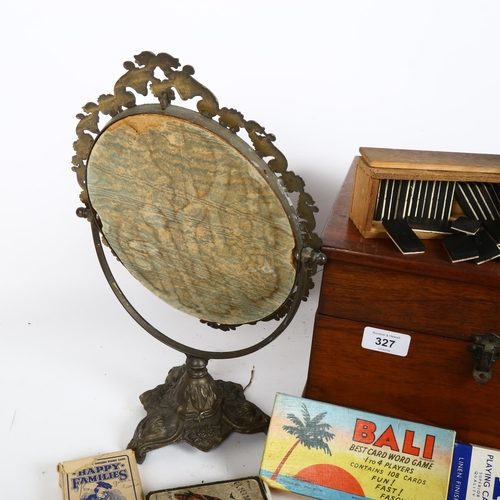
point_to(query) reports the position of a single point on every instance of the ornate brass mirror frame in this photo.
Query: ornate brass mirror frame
(190, 405)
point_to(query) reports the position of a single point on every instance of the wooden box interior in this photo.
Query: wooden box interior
(376, 164)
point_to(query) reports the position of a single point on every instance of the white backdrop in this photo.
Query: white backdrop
(326, 77)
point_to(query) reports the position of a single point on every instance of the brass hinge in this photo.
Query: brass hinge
(486, 350)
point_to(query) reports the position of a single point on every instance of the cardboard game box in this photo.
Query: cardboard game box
(334, 453)
(475, 473)
(248, 488)
(111, 476)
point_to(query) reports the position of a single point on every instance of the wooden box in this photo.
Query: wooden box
(439, 170)
(441, 306)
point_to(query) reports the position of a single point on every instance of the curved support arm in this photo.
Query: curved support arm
(300, 282)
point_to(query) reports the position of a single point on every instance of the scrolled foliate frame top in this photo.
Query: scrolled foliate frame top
(140, 77)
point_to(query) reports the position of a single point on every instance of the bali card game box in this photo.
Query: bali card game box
(112, 476)
(334, 453)
(249, 488)
(475, 473)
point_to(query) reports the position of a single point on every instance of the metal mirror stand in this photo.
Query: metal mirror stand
(191, 405)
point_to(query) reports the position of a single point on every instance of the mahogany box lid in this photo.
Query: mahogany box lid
(343, 242)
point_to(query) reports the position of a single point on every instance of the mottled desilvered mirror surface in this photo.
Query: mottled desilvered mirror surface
(192, 218)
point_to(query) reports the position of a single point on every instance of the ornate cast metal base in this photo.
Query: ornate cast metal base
(191, 406)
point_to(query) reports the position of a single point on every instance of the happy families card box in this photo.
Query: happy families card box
(334, 453)
(111, 476)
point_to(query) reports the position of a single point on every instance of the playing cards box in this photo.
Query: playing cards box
(475, 473)
(113, 476)
(334, 453)
(249, 488)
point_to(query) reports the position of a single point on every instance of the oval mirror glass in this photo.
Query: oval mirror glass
(194, 215)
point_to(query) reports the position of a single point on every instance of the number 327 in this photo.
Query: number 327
(384, 342)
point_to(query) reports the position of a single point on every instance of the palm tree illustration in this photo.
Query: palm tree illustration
(311, 433)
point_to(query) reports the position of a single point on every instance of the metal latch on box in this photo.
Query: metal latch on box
(486, 350)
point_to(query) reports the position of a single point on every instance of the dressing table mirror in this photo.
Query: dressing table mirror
(199, 207)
